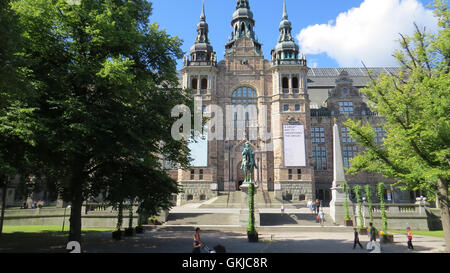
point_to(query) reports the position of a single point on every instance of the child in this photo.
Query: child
(409, 235)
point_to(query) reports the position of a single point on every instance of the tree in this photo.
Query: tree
(105, 81)
(415, 104)
(16, 123)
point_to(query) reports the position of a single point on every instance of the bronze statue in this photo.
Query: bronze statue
(248, 163)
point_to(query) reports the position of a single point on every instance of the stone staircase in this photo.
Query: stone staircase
(263, 199)
(225, 212)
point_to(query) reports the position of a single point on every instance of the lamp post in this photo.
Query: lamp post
(64, 219)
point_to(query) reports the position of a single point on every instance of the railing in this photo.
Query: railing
(200, 63)
(289, 62)
(396, 209)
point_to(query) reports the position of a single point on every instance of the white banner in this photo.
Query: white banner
(294, 146)
(199, 149)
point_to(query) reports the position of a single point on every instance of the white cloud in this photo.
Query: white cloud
(368, 33)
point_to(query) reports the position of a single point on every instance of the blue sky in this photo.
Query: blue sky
(335, 33)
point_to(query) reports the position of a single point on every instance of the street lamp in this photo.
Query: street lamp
(64, 219)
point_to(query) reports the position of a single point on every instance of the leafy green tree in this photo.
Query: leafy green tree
(105, 81)
(416, 105)
(16, 122)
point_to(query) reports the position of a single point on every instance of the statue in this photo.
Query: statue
(248, 163)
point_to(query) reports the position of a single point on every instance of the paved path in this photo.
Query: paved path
(166, 241)
(169, 240)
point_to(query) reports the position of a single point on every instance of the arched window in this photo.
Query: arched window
(244, 100)
(244, 95)
(194, 83)
(204, 84)
(285, 84)
(287, 197)
(295, 82)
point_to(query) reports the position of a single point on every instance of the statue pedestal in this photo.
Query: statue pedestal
(244, 212)
(337, 208)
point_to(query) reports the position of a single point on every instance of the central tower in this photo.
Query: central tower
(243, 27)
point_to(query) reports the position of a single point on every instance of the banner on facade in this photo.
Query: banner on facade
(294, 145)
(199, 149)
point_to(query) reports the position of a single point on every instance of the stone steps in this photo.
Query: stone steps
(277, 230)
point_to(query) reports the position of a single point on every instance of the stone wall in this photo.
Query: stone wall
(195, 190)
(55, 217)
(399, 216)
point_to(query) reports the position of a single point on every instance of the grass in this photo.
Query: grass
(434, 233)
(47, 229)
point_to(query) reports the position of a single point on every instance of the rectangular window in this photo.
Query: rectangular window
(319, 154)
(299, 174)
(346, 107)
(192, 174)
(318, 135)
(290, 174)
(346, 138)
(380, 133)
(200, 176)
(349, 153)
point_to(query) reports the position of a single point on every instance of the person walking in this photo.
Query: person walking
(197, 242)
(409, 234)
(372, 233)
(310, 206)
(317, 205)
(356, 240)
(322, 217)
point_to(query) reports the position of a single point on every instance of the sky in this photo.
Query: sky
(331, 33)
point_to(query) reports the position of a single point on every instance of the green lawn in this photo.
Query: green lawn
(435, 233)
(46, 229)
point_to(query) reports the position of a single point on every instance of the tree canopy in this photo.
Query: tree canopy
(416, 106)
(104, 81)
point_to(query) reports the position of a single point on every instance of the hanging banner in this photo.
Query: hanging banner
(294, 145)
(199, 149)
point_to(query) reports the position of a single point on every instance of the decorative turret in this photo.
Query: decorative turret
(287, 51)
(200, 67)
(202, 50)
(243, 26)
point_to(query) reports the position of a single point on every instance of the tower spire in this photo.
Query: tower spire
(286, 50)
(202, 16)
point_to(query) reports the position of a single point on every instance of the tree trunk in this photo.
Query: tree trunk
(130, 215)
(120, 216)
(445, 217)
(3, 208)
(75, 210)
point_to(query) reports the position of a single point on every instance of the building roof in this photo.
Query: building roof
(326, 77)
